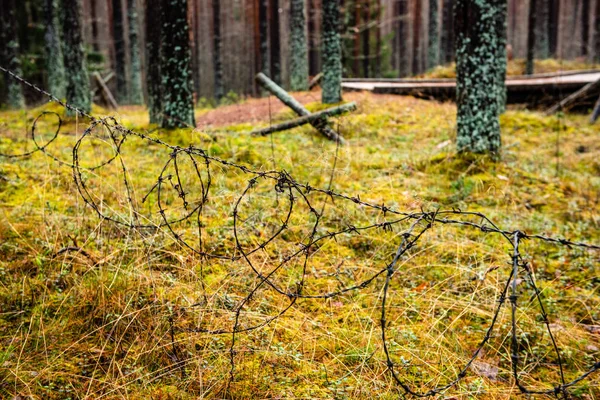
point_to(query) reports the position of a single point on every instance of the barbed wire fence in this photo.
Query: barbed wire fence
(297, 196)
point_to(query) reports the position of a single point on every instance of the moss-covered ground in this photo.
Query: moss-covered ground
(119, 313)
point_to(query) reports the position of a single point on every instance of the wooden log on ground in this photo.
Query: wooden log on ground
(596, 112)
(315, 81)
(319, 124)
(108, 97)
(330, 112)
(571, 99)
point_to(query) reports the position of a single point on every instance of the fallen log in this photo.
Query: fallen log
(319, 124)
(572, 98)
(330, 112)
(596, 112)
(315, 81)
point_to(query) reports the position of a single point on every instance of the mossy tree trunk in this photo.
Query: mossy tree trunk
(217, 64)
(55, 66)
(478, 70)
(433, 45)
(10, 52)
(501, 57)
(178, 102)
(332, 54)
(153, 56)
(78, 84)
(136, 95)
(298, 47)
(119, 43)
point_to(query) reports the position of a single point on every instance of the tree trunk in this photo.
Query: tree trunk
(78, 84)
(553, 18)
(153, 55)
(542, 42)
(298, 48)
(585, 27)
(433, 45)
(217, 48)
(448, 31)
(274, 33)
(55, 65)
(119, 43)
(597, 33)
(417, 23)
(136, 95)
(403, 36)
(477, 70)
(10, 53)
(365, 40)
(265, 62)
(531, 38)
(178, 102)
(501, 38)
(332, 54)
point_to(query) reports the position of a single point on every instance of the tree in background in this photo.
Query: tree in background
(263, 37)
(448, 44)
(298, 47)
(501, 32)
(478, 69)
(119, 43)
(55, 66)
(78, 84)
(153, 56)
(332, 54)
(177, 98)
(136, 95)
(531, 38)
(9, 56)
(542, 29)
(433, 51)
(275, 56)
(217, 65)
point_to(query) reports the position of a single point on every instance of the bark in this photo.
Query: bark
(403, 37)
(332, 54)
(542, 41)
(136, 95)
(10, 53)
(320, 124)
(531, 38)
(275, 56)
(433, 45)
(365, 40)
(119, 43)
(501, 57)
(553, 19)
(298, 47)
(153, 55)
(178, 102)
(330, 112)
(55, 66)
(217, 46)
(597, 33)
(78, 85)
(478, 70)
(448, 31)
(263, 28)
(585, 26)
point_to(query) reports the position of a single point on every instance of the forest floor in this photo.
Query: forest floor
(91, 308)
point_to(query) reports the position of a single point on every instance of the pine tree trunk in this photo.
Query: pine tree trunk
(433, 45)
(417, 22)
(263, 28)
(477, 69)
(178, 102)
(365, 40)
(448, 31)
(298, 47)
(136, 95)
(332, 54)
(217, 65)
(55, 66)
(597, 33)
(585, 26)
(274, 33)
(501, 35)
(153, 55)
(403, 37)
(542, 41)
(119, 43)
(531, 38)
(10, 53)
(553, 18)
(78, 85)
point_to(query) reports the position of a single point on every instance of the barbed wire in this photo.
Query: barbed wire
(297, 196)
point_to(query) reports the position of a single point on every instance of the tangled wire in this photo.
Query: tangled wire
(203, 168)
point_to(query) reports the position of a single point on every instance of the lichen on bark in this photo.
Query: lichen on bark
(135, 75)
(55, 65)
(9, 56)
(78, 84)
(479, 68)
(298, 47)
(177, 97)
(332, 54)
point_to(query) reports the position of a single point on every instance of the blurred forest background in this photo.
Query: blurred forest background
(380, 38)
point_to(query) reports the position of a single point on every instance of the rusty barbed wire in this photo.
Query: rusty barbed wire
(297, 196)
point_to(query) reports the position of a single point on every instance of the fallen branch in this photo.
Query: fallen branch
(569, 100)
(315, 81)
(330, 112)
(108, 97)
(319, 124)
(596, 112)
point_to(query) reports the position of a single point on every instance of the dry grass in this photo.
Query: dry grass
(120, 323)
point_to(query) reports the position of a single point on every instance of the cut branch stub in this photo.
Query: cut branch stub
(319, 124)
